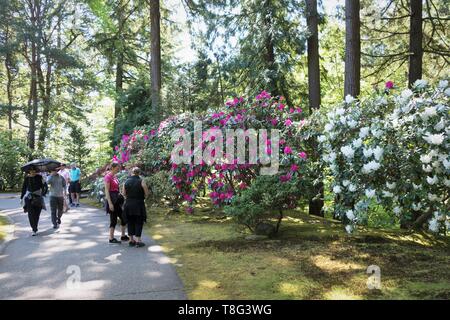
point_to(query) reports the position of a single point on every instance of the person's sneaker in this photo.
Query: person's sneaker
(55, 226)
(132, 243)
(140, 244)
(78, 204)
(72, 204)
(124, 238)
(59, 221)
(34, 233)
(114, 241)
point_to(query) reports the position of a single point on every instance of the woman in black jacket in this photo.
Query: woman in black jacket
(34, 189)
(135, 191)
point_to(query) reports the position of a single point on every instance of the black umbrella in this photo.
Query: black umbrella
(41, 165)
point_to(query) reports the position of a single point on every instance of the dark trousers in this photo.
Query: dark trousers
(135, 224)
(33, 216)
(70, 198)
(56, 206)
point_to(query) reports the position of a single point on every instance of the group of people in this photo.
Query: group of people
(127, 206)
(125, 203)
(59, 183)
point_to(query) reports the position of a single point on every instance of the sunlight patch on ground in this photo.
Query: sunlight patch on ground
(327, 264)
(338, 293)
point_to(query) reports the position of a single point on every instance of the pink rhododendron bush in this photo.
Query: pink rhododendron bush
(391, 150)
(211, 160)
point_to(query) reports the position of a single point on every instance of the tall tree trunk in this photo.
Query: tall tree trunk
(46, 103)
(33, 101)
(415, 42)
(8, 64)
(155, 66)
(119, 63)
(270, 50)
(352, 48)
(315, 203)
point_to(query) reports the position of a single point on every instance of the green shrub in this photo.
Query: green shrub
(264, 200)
(13, 154)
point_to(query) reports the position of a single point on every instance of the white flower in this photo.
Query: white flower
(343, 120)
(350, 215)
(446, 164)
(428, 112)
(416, 207)
(397, 210)
(337, 189)
(426, 158)
(363, 132)
(433, 225)
(387, 194)
(345, 183)
(349, 99)
(427, 168)
(329, 127)
(332, 156)
(420, 83)
(357, 143)
(378, 152)
(370, 193)
(367, 152)
(377, 133)
(352, 187)
(322, 138)
(370, 167)
(443, 84)
(432, 181)
(352, 123)
(348, 152)
(436, 164)
(440, 125)
(406, 94)
(348, 228)
(416, 186)
(447, 92)
(391, 185)
(434, 138)
(433, 197)
(340, 111)
(447, 182)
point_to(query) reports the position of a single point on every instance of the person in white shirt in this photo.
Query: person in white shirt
(64, 172)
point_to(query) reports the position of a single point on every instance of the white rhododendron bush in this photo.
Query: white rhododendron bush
(391, 150)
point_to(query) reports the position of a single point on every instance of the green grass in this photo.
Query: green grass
(3, 223)
(311, 258)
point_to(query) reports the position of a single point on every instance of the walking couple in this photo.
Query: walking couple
(128, 206)
(35, 188)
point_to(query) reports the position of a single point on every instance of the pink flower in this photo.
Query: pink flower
(302, 155)
(146, 138)
(281, 106)
(152, 132)
(389, 85)
(291, 110)
(189, 210)
(288, 122)
(174, 166)
(116, 148)
(294, 167)
(242, 186)
(287, 150)
(274, 122)
(285, 178)
(269, 151)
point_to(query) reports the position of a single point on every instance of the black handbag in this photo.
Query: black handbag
(36, 201)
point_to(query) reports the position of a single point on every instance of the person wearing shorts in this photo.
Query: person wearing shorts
(114, 201)
(75, 186)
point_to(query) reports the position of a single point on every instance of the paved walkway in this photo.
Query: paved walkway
(48, 266)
